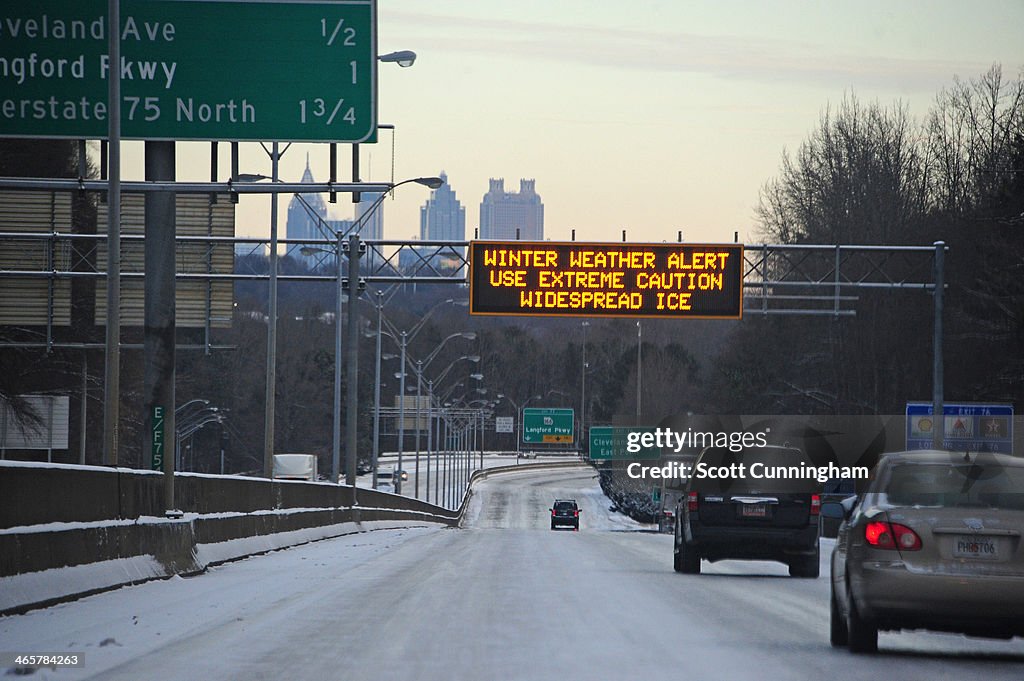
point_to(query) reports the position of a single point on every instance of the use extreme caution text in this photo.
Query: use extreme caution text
(545, 278)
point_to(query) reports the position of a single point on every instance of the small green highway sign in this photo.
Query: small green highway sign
(302, 70)
(547, 426)
(157, 462)
(610, 442)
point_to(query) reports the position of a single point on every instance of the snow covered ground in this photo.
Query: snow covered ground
(504, 598)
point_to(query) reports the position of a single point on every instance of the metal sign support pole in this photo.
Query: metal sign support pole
(112, 354)
(159, 313)
(938, 419)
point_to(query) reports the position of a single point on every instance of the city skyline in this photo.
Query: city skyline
(442, 215)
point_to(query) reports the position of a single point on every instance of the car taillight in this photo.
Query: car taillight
(576, 513)
(815, 504)
(552, 511)
(906, 538)
(691, 502)
(891, 536)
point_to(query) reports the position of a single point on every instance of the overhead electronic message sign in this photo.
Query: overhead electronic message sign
(302, 70)
(545, 278)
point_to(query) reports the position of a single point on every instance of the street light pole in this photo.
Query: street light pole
(352, 408)
(583, 390)
(401, 413)
(419, 390)
(639, 369)
(437, 459)
(430, 435)
(336, 441)
(268, 416)
(376, 391)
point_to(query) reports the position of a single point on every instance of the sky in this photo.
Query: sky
(648, 116)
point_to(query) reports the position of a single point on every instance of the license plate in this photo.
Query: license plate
(754, 510)
(984, 548)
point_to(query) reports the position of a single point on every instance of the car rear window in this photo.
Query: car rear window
(779, 472)
(956, 484)
(564, 505)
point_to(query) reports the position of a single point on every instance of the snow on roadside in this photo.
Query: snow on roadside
(117, 626)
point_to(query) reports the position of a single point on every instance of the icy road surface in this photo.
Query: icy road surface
(504, 598)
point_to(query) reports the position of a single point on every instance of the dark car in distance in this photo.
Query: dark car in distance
(565, 513)
(748, 518)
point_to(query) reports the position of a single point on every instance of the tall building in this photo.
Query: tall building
(307, 219)
(442, 217)
(502, 212)
(306, 215)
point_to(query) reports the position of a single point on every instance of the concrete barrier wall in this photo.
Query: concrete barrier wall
(34, 494)
(69, 531)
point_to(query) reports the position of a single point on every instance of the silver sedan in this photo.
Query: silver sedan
(934, 543)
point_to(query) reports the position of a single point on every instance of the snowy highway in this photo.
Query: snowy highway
(502, 598)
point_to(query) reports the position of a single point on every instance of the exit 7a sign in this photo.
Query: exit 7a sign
(192, 69)
(549, 426)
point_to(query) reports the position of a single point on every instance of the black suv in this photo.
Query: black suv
(752, 517)
(565, 512)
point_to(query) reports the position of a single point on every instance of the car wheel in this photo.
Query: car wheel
(862, 634)
(806, 566)
(837, 629)
(552, 526)
(685, 559)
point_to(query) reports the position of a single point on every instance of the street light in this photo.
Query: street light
(188, 425)
(353, 355)
(421, 366)
(339, 279)
(431, 440)
(419, 387)
(519, 417)
(404, 58)
(180, 410)
(429, 182)
(403, 338)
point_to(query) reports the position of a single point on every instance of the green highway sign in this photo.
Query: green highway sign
(192, 70)
(157, 462)
(548, 426)
(610, 442)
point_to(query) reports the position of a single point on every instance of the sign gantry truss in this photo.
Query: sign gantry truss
(808, 279)
(778, 279)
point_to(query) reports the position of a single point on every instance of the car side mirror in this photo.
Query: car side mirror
(579, 510)
(833, 509)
